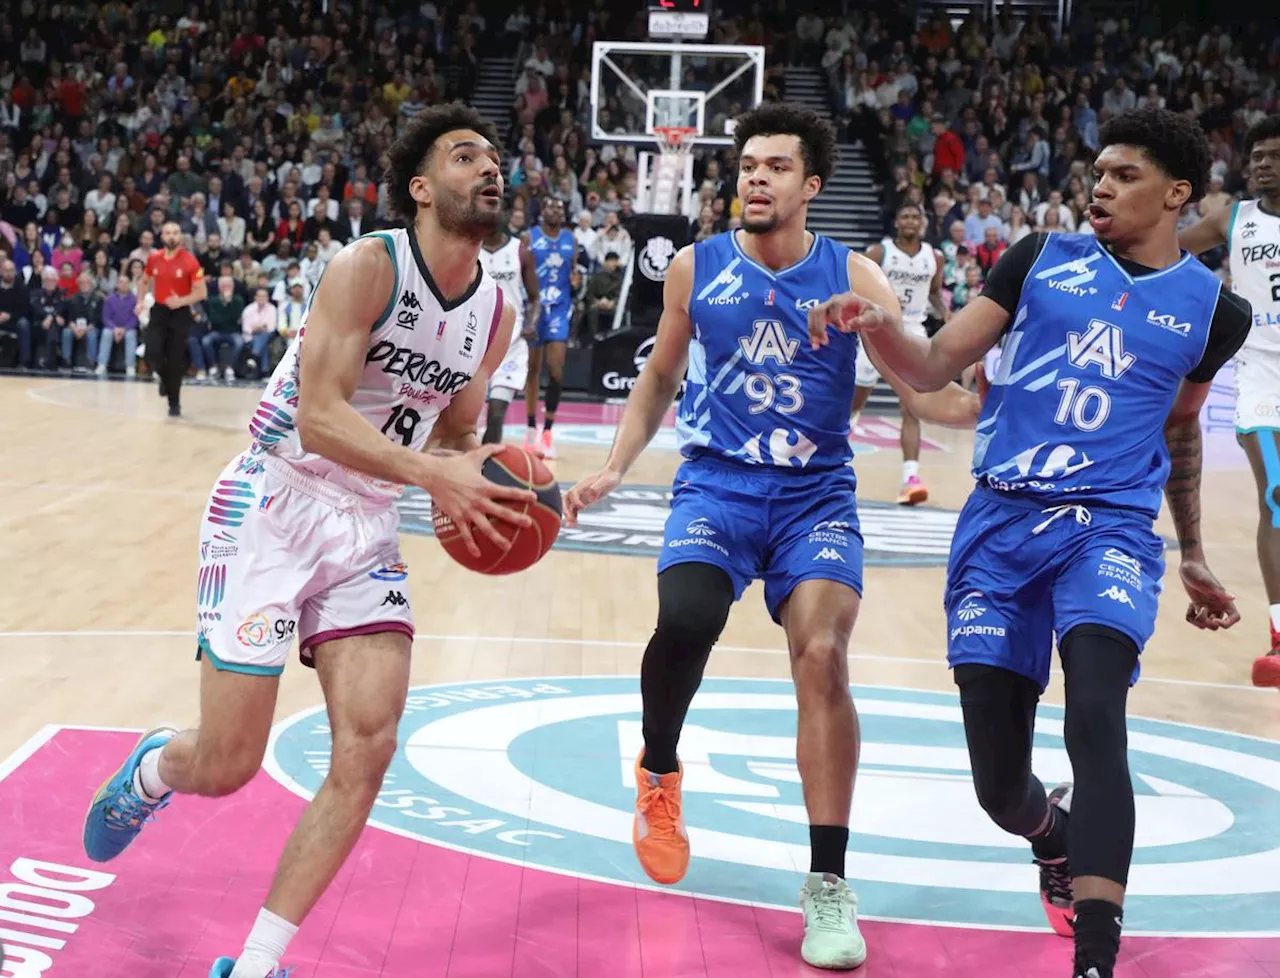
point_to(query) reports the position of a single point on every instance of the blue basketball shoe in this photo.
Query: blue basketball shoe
(117, 812)
(223, 967)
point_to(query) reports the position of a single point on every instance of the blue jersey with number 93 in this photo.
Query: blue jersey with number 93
(756, 392)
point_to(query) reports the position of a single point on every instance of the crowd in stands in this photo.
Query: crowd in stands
(991, 130)
(261, 129)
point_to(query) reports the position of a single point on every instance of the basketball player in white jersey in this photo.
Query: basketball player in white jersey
(914, 269)
(510, 264)
(299, 539)
(1251, 231)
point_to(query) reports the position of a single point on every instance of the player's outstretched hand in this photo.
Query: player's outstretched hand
(462, 491)
(1211, 606)
(848, 312)
(591, 489)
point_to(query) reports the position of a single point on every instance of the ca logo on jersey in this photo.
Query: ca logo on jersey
(1101, 345)
(768, 341)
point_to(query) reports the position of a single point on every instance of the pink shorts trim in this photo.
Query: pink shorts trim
(372, 628)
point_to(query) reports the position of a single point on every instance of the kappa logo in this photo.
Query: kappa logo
(498, 770)
(724, 286)
(826, 553)
(1168, 322)
(1248, 229)
(395, 599)
(1117, 594)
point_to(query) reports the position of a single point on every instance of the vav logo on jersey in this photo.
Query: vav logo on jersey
(631, 519)
(539, 772)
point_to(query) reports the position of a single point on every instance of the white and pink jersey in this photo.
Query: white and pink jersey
(422, 352)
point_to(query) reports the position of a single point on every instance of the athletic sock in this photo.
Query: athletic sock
(547, 423)
(910, 469)
(146, 780)
(533, 421)
(1097, 927)
(1275, 617)
(1051, 841)
(827, 845)
(265, 946)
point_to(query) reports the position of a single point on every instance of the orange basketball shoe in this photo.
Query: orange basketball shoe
(662, 844)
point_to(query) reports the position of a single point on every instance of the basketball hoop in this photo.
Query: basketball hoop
(675, 149)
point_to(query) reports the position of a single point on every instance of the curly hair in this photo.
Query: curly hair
(410, 154)
(817, 136)
(1268, 128)
(1173, 141)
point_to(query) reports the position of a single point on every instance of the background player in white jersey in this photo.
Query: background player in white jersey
(914, 269)
(766, 493)
(299, 538)
(1251, 231)
(510, 263)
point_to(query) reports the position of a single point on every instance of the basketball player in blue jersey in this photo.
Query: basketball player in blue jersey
(555, 252)
(1111, 343)
(1251, 231)
(766, 492)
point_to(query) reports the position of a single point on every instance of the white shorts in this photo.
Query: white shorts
(866, 374)
(1257, 391)
(284, 556)
(511, 373)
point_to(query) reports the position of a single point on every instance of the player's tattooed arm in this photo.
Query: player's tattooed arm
(1211, 606)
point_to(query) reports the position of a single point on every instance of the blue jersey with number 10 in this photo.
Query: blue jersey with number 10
(1091, 365)
(756, 392)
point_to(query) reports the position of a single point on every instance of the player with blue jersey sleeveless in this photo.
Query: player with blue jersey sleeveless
(1111, 343)
(765, 492)
(555, 252)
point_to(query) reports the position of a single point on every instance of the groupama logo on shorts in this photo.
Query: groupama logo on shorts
(539, 772)
(631, 520)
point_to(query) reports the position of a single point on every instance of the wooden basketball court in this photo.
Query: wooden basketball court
(101, 499)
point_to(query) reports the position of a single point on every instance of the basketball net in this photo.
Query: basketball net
(675, 143)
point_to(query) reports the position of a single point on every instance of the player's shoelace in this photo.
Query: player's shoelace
(660, 809)
(830, 909)
(127, 812)
(1055, 880)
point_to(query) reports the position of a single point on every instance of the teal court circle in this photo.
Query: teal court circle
(539, 772)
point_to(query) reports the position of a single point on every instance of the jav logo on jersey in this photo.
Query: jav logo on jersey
(1101, 345)
(768, 341)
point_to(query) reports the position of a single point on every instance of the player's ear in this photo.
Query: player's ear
(1178, 194)
(420, 190)
(812, 184)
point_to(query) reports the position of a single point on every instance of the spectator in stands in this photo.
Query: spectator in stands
(601, 299)
(119, 325)
(84, 317)
(225, 311)
(293, 310)
(258, 324)
(15, 310)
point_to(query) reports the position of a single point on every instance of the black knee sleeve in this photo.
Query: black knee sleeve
(999, 710)
(553, 394)
(1098, 663)
(693, 605)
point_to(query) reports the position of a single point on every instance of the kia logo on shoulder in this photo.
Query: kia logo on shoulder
(807, 304)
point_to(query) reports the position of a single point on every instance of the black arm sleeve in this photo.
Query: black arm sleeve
(1232, 320)
(1004, 281)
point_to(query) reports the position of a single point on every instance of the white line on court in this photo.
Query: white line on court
(614, 643)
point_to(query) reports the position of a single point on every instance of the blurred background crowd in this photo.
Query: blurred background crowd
(261, 129)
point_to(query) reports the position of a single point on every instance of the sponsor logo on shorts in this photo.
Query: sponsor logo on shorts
(631, 521)
(260, 631)
(699, 528)
(390, 572)
(395, 599)
(971, 608)
(826, 553)
(1119, 566)
(218, 547)
(1117, 594)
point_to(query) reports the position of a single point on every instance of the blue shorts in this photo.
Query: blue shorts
(1020, 573)
(757, 523)
(553, 324)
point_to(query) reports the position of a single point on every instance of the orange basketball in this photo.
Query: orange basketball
(525, 546)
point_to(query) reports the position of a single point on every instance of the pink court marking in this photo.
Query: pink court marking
(188, 890)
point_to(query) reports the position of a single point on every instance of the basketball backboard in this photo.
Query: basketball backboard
(639, 85)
